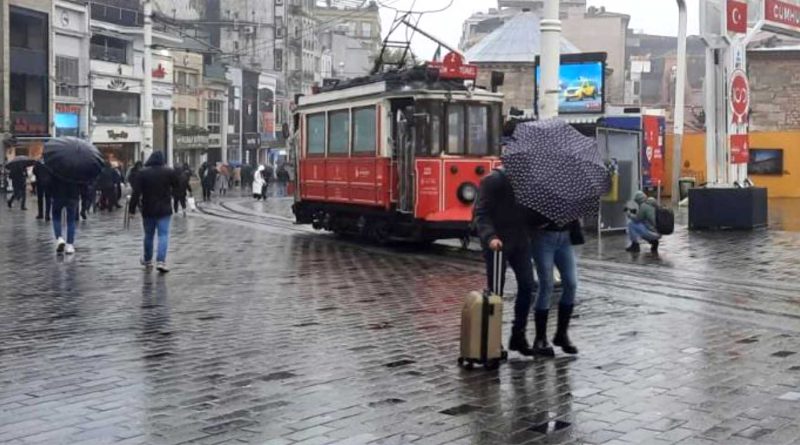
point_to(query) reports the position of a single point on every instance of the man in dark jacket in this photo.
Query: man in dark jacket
(179, 194)
(18, 177)
(43, 199)
(208, 180)
(154, 186)
(503, 226)
(106, 184)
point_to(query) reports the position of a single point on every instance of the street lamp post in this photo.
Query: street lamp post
(680, 98)
(551, 60)
(147, 93)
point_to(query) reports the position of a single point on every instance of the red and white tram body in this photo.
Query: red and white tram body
(395, 156)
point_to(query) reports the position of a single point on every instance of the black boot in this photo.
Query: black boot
(654, 246)
(519, 343)
(562, 339)
(633, 248)
(540, 344)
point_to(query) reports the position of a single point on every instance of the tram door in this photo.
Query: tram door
(404, 153)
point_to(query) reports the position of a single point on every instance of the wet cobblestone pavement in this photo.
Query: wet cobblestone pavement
(269, 333)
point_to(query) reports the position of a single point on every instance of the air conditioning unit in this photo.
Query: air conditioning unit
(249, 30)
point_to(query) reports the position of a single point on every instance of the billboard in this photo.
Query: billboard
(582, 84)
(266, 113)
(652, 157)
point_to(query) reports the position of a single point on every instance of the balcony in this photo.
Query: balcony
(124, 120)
(118, 12)
(107, 54)
(32, 62)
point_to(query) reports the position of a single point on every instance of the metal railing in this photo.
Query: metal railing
(106, 54)
(119, 15)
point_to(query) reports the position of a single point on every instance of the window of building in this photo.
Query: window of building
(278, 59)
(67, 77)
(191, 80)
(181, 116)
(366, 29)
(455, 129)
(339, 132)
(116, 107)
(364, 130)
(214, 116)
(108, 49)
(193, 118)
(478, 130)
(315, 134)
(181, 80)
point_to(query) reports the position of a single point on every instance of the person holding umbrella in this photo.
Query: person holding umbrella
(73, 163)
(559, 175)
(155, 185)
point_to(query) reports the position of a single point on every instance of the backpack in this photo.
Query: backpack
(665, 221)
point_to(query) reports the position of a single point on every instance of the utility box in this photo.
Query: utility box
(728, 208)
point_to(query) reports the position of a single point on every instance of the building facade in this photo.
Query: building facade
(71, 51)
(191, 133)
(353, 40)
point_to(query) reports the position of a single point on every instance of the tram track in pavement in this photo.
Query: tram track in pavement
(754, 301)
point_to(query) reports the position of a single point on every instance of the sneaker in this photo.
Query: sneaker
(146, 264)
(60, 243)
(70, 249)
(162, 267)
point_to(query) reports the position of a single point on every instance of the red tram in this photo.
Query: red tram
(396, 156)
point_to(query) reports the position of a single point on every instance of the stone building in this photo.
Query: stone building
(512, 50)
(774, 85)
(355, 39)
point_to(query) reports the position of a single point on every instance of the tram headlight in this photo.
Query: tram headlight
(467, 193)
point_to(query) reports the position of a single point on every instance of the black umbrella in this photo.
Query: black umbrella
(556, 171)
(20, 162)
(72, 159)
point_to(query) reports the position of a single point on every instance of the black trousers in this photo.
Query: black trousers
(43, 201)
(206, 193)
(178, 200)
(19, 194)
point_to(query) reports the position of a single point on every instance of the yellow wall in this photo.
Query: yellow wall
(784, 186)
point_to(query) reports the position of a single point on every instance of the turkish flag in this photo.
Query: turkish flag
(737, 16)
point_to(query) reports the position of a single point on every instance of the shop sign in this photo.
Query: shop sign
(160, 72)
(215, 140)
(117, 135)
(782, 17)
(252, 141)
(29, 123)
(195, 141)
(68, 108)
(454, 67)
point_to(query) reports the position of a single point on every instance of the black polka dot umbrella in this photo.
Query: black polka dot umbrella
(555, 170)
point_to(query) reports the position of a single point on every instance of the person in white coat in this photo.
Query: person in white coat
(258, 183)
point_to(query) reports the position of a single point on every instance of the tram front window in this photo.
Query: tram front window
(428, 123)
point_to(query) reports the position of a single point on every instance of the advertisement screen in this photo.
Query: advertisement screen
(66, 124)
(764, 161)
(581, 85)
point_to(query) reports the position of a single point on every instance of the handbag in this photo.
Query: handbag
(191, 204)
(576, 237)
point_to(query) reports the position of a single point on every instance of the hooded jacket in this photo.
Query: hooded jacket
(258, 180)
(646, 212)
(154, 186)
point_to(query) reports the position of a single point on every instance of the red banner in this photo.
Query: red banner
(782, 15)
(653, 162)
(740, 149)
(453, 67)
(737, 16)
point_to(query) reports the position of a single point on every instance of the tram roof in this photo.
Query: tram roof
(409, 81)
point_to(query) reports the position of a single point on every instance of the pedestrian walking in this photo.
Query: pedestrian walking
(154, 187)
(222, 181)
(19, 177)
(119, 179)
(137, 167)
(559, 176)
(259, 184)
(208, 179)
(283, 180)
(66, 196)
(237, 176)
(179, 193)
(501, 225)
(44, 200)
(642, 222)
(106, 184)
(88, 194)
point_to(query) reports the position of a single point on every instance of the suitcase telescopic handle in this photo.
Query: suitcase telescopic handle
(497, 273)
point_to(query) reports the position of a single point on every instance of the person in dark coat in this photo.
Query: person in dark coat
(88, 198)
(179, 194)
(283, 180)
(65, 201)
(137, 167)
(44, 201)
(119, 179)
(155, 186)
(18, 177)
(106, 184)
(208, 181)
(502, 225)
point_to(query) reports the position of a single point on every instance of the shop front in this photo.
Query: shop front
(191, 149)
(119, 145)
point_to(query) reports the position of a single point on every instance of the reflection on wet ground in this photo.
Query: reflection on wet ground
(262, 334)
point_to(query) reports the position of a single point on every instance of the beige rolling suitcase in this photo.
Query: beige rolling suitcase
(482, 324)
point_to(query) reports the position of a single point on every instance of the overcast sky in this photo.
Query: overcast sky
(651, 16)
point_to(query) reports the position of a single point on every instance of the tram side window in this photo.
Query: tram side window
(339, 133)
(478, 131)
(364, 130)
(316, 134)
(455, 129)
(429, 128)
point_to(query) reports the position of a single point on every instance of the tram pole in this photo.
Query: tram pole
(551, 60)
(680, 98)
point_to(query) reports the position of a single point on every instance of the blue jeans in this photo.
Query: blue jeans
(554, 249)
(638, 231)
(71, 208)
(151, 225)
(520, 261)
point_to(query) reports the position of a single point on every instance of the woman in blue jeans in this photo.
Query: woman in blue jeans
(65, 201)
(154, 186)
(552, 247)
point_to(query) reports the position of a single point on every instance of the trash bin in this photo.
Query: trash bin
(684, 184)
